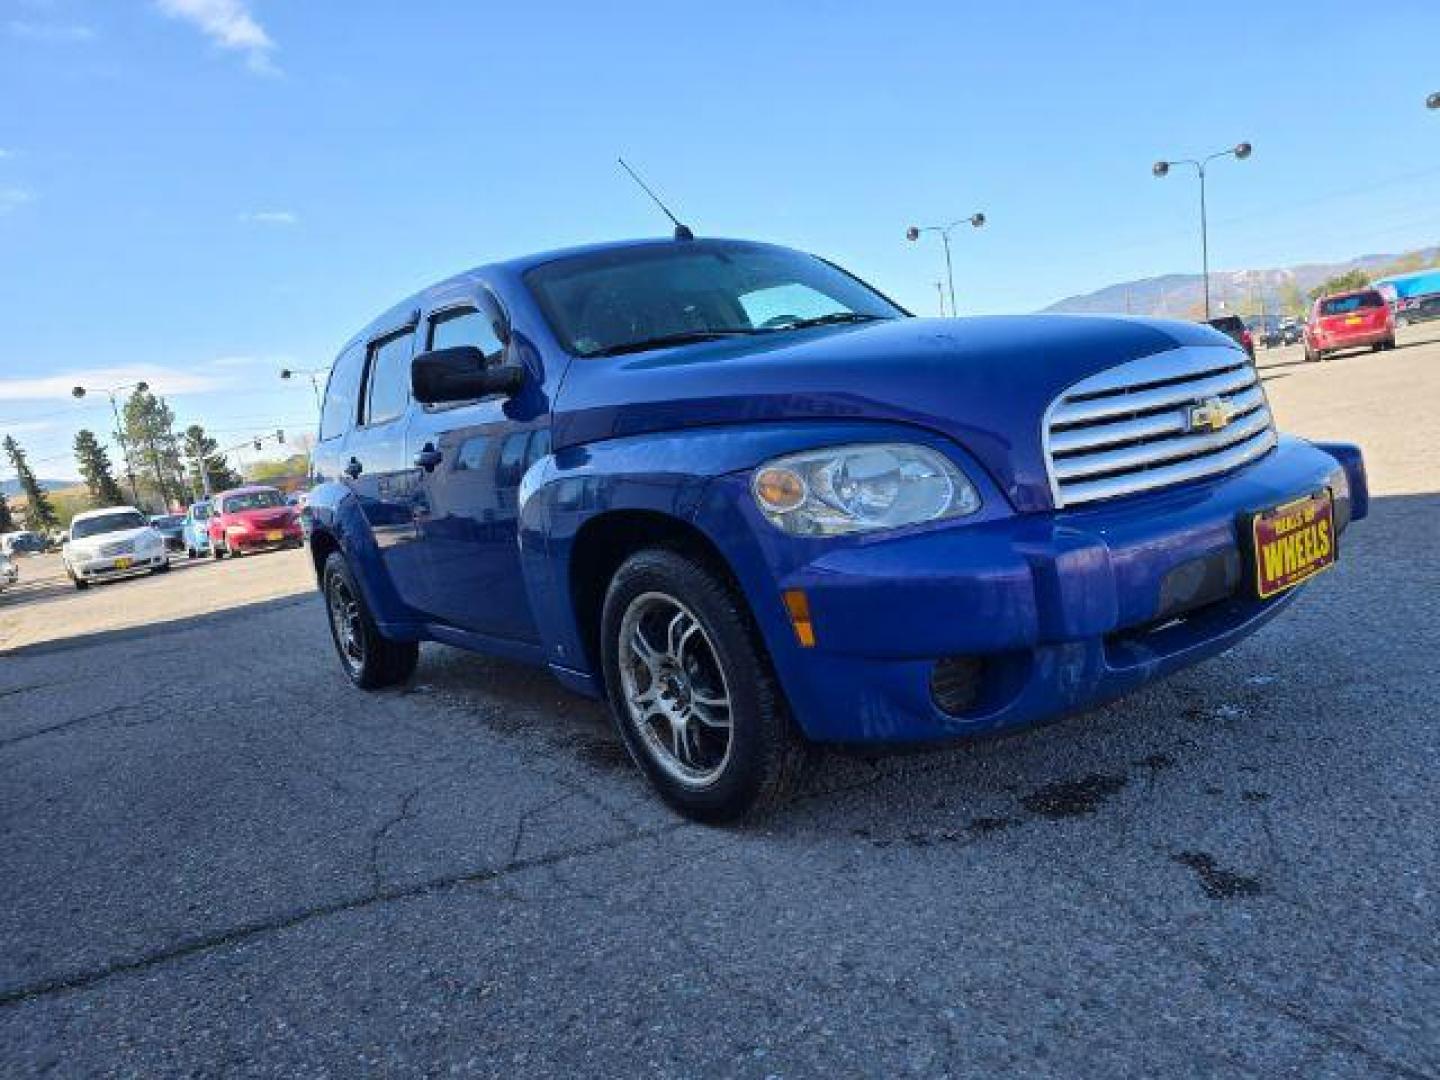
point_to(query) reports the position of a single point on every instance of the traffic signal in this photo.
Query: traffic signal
(280, 435)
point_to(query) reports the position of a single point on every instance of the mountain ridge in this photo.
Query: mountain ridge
(1246, 292)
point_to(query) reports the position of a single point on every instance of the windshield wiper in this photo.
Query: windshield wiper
(833, 319)
(664, 341)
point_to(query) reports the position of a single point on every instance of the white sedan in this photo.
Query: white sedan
(116, 540)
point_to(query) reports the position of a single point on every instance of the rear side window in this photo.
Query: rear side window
(464, 326)
(388, 385)
(342, 393)
(1343, 305)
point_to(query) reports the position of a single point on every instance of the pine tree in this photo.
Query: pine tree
(201, 451)
(150, 431)
(39, 515)
(96, 469)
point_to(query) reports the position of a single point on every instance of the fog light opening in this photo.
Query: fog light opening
(955, 683)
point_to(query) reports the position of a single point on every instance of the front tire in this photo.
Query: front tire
(692, 692)
(369, 659)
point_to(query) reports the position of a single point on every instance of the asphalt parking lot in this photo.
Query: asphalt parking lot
(220, 859)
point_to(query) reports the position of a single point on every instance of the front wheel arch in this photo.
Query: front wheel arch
(602, 545)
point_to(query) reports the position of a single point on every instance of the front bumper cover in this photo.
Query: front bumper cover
(1066, 610)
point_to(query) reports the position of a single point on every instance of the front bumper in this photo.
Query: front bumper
(1043, 614)
(265, 539)
(91, 569)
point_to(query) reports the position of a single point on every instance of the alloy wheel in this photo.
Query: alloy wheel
(345, 623)
(675, 690)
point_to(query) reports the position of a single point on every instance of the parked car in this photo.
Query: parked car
(249, 519)
(21, 542)
(9, 572)
(1233, 327)
(172, 528)
(1349, 320)
(1414, 297)
(196, 530)
(104, 543)
(751, 502)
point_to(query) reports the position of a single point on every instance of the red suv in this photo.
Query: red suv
(1349, 320)
(251, 518)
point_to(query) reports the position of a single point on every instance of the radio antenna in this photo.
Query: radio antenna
(682, 232)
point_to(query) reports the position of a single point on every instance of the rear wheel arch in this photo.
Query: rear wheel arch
(322, 544)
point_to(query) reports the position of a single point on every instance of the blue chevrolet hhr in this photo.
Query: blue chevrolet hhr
(756, 505)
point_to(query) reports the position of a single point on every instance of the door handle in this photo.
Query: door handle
(353, 468)
(429, 457)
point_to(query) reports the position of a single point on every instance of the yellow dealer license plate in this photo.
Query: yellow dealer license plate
(1353, 320)
(274, 536)
(1292, 543)
(123, 564)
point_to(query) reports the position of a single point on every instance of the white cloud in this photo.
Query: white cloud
(13, 198)
(164, 381)
(230, 25)
(271, 217)
(50, 31)
(6, 153)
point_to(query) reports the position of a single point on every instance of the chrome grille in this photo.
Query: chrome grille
(1134, 427)
(117, 547)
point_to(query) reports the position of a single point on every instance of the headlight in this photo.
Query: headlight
(860, 488)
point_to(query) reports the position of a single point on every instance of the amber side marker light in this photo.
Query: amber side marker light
(797, 606)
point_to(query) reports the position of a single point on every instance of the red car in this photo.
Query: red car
(1350, 320)
(251, 518)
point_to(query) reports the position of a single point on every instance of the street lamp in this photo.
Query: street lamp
(140, 388)
(1433, 101)
(313, 373)
(1239, 152)
(912, 234)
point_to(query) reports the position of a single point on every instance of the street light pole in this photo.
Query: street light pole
(140, 387)
(912, 234)
(314, 374)
(1433, 101)
(1160, 169)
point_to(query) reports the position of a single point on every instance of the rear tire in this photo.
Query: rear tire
(710, 761)
(215, 552)
(369, 659)
(163, 568)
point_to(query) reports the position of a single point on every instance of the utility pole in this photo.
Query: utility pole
(1239, 152)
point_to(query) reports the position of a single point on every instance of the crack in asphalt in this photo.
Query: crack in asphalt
(195, 946)
(378, 837)
(98, 714)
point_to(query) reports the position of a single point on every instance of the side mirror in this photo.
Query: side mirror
(460, 374)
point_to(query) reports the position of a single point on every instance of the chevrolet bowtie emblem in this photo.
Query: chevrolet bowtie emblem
(1211, 414)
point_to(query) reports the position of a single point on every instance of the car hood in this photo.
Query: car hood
(270, 515)
(984, 382)
(94, 543)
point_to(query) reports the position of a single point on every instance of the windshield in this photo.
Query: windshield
(119, 521)
(167, 521)
(631, 299)
(1343, 305)
(253, 500)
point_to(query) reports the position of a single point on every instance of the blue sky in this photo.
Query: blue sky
(200, 192)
